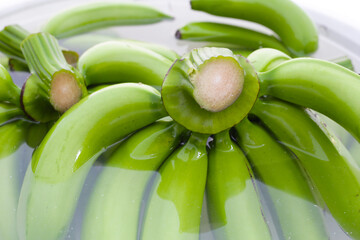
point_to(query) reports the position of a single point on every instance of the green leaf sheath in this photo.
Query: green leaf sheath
(328, 164)
(115, 204)
(174, 207)
(178, 92)
(9, 112)
(9, 92)
(60, 165)
(117, 61)
(320, 85)
(234, 206)
(10, 40)
(224, 33)
(12, 136)
(285, 18)
(290, 191)
(60, 83)
(99, 15)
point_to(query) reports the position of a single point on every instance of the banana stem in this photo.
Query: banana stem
(215, 88)
(60, 83)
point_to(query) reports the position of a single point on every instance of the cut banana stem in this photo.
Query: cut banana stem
(94, 16)
(281, 16)
(60, 84)
(115, 204)
(230, 34)
(11, 38)
(60, 164)
(9, 92)
(173, 210)
(290, 190)
(215, 88)
(9, 112)
(320, 85)
(117, 61)
(329, 165)
(12, 136)
(233, 202)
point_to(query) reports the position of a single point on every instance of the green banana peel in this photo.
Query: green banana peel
(61, 163)
(9, 112)
(233, 202)
(315, 84)
(228, 34)
(331, 168)
(290, 190)
(94, 16)
(9, 92)
(265, 59)
(117, 61)
(12, 136)
(174, 206)
(281, 16)
(115, 204)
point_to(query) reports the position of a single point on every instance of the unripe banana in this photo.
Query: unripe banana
(284, 17)
(61, 163)
(116, 61)
(317, 84)
(290, 191)
(115, 204)
(234, 206)
(331, 168)
(173, 210)
(12, 136)
(8, 90)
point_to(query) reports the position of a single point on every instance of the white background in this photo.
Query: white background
(347, 11)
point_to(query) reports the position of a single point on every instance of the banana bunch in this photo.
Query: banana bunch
(237, 133)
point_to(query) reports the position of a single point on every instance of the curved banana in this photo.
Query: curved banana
(116, 61)
(9, 112)
(265, 59)
(8, 90)
(61, 163)
(289, 189)
(328, 164)
(228, 34)
(12, 136)
(234, 206)
(173, 209)
(100, 15)
(320, 85)
(115, 204)
(284, 17)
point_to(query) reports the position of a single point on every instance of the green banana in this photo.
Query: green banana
(289, 189)
(265, 59)
(9, 92)
(174, 206)
(117, 61)
(9, 112)
(281, 16)
(100, 15)
(114, 210)
(315, 84)
(12, 136)
(83, 42)
(234, 206)
(61, 163)
(230, 34)
(326, 161)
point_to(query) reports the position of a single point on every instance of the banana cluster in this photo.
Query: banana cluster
(257, 165)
